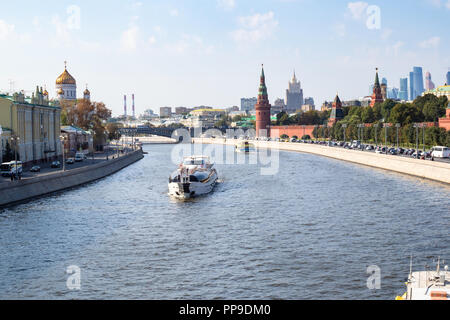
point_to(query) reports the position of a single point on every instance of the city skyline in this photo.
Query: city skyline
(210, 56)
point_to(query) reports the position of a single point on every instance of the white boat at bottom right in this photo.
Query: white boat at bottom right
(428, 285)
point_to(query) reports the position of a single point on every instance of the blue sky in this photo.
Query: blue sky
(209, 52)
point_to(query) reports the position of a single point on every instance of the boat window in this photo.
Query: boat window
(193, 179)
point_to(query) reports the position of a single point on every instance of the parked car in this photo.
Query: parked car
(35, 169)
(56, 164)
(70, 161)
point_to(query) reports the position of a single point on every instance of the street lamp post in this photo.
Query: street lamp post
(1, 145)
(385, 136)
(62, 138)
(376, 133)
(344, 126)
(416, 125)
(397, 126)
(423, 139)
(16, 140)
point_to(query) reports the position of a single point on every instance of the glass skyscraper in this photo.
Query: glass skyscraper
(416, 87)
(403, 93)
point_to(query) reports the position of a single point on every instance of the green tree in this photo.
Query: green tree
(405, 113)
(283, 119)
(367, 115)
(432, 111)
(386, 108)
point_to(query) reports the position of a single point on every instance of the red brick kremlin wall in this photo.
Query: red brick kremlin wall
(299, 131)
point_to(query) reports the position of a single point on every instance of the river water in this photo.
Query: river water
(308, 232)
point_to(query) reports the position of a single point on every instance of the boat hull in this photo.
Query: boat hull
(185, 191)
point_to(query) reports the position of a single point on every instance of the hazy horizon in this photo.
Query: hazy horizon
(191, 53)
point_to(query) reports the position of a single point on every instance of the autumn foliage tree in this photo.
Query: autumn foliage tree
(87, 115)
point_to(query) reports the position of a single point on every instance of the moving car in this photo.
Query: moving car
(35, 169)
(79, 157)
(70, 161)
(56, 164)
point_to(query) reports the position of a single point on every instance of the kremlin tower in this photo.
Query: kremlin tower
(336, 112)
(262, 108)
(377, 95)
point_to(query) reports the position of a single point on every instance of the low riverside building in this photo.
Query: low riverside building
(36, 123)
(77, 140)
(205, 118)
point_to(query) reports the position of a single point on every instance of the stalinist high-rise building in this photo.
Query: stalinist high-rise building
(294, 95)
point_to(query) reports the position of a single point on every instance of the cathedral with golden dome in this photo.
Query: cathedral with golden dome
(66, 86)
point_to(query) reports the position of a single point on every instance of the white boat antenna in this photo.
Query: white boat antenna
(438, 265)
(410, 265)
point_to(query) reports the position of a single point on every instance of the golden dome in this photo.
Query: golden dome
(65, 78)
(60, 91)
(45, 93)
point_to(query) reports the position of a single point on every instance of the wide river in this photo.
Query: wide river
(308, 232)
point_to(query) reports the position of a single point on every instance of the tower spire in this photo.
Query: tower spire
(377, 79)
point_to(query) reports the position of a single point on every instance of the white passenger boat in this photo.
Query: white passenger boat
(194, 177)
(428, 285)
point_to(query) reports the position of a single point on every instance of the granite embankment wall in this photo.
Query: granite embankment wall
(432, 170)
(18, 191)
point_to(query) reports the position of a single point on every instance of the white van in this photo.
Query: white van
(440, 152)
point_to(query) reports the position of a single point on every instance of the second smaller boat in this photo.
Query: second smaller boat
(245, 147)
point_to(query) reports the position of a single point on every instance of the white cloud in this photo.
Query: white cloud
(129, 39)
(62, 32)
(433, 42)
(174, 13)
(394, 49)
(440, 3)
(192, 43)
(256, 27)
(386, 34)
(226, 4)
(6, 30)
(340, 29)
(357, 9)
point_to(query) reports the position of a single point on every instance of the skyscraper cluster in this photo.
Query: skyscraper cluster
(417, 85)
